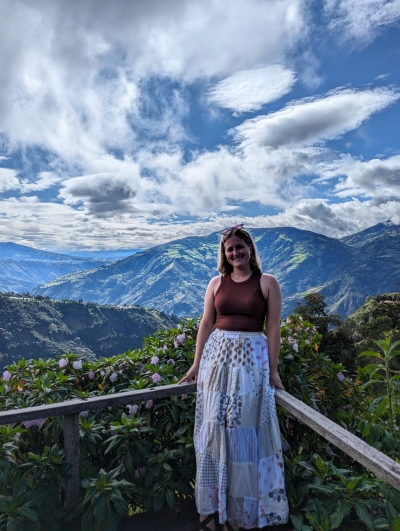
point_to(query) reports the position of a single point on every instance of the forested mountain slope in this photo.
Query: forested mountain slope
(174, 276)
(34, 327)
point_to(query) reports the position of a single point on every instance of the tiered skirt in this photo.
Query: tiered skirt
(237, 441)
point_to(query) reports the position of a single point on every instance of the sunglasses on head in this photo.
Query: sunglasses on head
(236, 227)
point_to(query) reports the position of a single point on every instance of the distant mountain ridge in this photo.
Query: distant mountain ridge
(34, 327)
(173, 277)
(23, 268)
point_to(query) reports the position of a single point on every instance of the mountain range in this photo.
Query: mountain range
(173, 277)
(23, 268)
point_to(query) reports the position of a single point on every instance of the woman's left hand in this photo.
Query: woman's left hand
(275, 380)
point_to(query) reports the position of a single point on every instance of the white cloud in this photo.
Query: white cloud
(373, 178)
(362, 19)
(73, 75)
(249, 90)
(314, 120)
(8, 179)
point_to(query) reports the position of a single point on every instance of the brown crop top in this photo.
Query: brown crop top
(240, 306)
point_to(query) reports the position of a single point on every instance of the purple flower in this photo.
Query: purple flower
(154, 360)
(180, 338)
(113, 377)
(295, 347)
(91, 375)
(285, 447)
(30, 423)
(341, 376)
(184, 397)
(156, 377)
(149, 404)
(137, 474)
(171, 362)
(62, 363)
(7, 376)
(132, 410)
(165, 348)
(77, 365)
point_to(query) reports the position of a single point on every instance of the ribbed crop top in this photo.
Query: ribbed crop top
(240, 306)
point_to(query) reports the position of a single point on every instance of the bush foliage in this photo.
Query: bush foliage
(140, 457)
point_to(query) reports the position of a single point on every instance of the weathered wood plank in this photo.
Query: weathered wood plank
(96, 402)
(376, 461)
(72, 457)
(379, 463)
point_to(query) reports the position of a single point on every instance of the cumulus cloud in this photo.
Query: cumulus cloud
(371, 178)
(101, 194)
(72, 74)
(362, 19)
(314, 120)
(249, 90)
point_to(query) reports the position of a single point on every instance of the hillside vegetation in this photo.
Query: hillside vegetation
(140, 457)
(34, 327)
(173, 277)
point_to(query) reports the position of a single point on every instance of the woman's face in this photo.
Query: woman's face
(237, 252)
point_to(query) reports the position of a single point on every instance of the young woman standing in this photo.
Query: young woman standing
(237, 441)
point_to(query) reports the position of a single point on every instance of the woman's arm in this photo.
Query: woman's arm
(206, 327)
(272, 292)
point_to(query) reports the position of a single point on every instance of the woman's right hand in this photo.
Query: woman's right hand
(191, 375)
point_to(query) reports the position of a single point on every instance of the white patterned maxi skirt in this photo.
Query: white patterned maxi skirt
(236, 436)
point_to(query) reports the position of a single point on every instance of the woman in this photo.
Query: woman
(237, 440)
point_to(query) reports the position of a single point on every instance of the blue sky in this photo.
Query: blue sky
(127, 124)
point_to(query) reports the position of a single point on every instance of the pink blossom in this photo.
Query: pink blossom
(62, 363)
(7, 376)
(171, 362)
(341, 376)
(77, 365)
(113, 377)
(91, 375)
(156, 377)
(149, 404)
(132, 410)
(291, 340)
(154, 360)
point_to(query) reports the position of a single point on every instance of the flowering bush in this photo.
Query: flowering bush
(141, 456)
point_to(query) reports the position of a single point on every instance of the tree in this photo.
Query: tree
(313, 310)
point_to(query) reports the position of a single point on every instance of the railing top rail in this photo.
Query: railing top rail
(378, 462)
(96, 402)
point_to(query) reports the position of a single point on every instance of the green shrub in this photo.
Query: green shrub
(140, 457)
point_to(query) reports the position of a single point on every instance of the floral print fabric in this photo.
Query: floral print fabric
(237, 441)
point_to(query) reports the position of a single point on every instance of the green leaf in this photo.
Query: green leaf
(375, 432)
(391, 512)
(370, 353)
(396, 524)
(158, 501)
(170, 498)
(363, 513)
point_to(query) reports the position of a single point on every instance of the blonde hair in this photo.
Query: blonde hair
(224, 267)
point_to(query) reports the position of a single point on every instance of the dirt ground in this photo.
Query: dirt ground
(183, 517)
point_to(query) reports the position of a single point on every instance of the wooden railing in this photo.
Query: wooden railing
(377, 462)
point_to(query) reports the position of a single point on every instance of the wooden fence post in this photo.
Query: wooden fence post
(72, 457)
